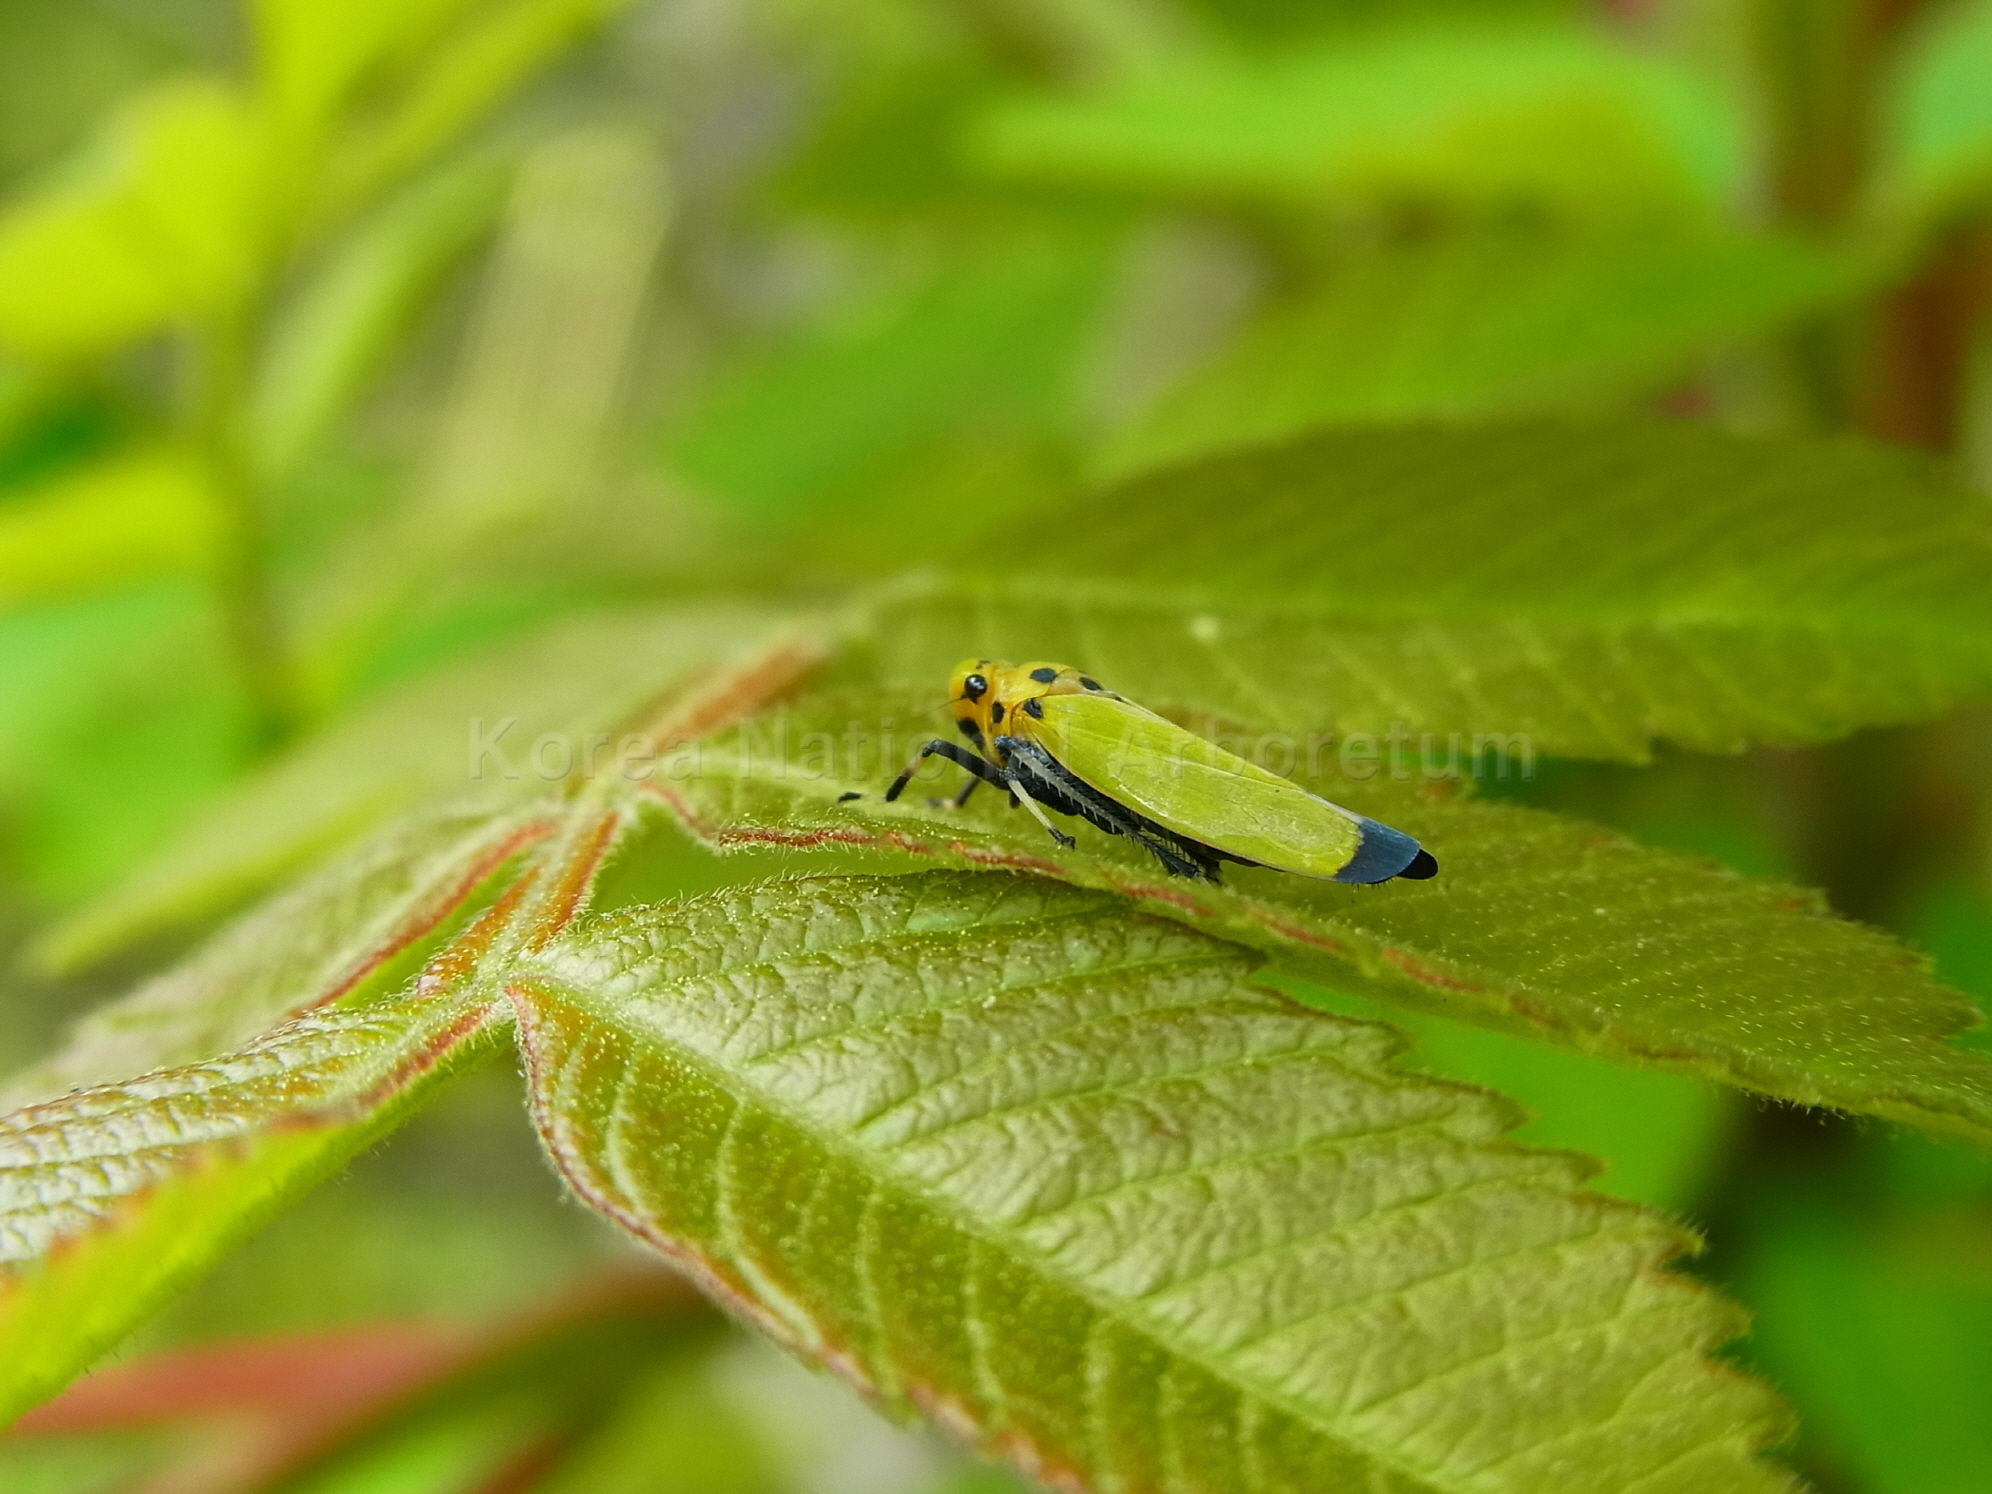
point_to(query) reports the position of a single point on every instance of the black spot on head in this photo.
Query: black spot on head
(975, 687)
(847, 798)
(1089, 682)
(970, 730)
(1034, 709)
(996, 712)
(1044, 676)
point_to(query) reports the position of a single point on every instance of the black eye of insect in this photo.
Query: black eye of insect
(975, 687)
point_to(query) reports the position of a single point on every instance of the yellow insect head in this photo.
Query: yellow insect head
(989, 697)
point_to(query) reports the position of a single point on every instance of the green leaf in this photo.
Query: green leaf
(991, 340)
(115, 519)
(469, 72)
(119, 724)
(158, 221)
(349, 925)
(1880, 1316)
(1574, 590)
(672, 1433)
(570, 695)
(1459, 117)
(368, 294)
(113, 1198)
(1538, 925)
(567, 1372)
(313, 59)
(548, 353)
(1663, 1138)
(888, 141)
(1279, 20)
(1482, 323)
(1936, 135)
(1054, 1174)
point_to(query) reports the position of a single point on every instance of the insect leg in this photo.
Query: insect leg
(966, 789)
(960, 756)
(1176, 855)
(1032, 805)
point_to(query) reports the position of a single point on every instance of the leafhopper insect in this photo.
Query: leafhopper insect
(1056, 739)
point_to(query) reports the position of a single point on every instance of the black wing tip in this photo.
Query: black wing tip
(1383, 853)
(1423, 865)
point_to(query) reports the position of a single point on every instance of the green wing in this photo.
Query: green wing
(1206, 794)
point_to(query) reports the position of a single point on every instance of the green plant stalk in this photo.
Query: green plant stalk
(218, 357)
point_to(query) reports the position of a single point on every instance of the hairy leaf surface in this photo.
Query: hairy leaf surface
(1586, 587)
(112, 1198)
(1537, 924)
(1053, 1173)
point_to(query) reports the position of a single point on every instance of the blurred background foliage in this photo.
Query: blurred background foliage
(340, 340)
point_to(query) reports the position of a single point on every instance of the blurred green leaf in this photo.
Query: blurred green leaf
(518, 491)
(1472, 324)
(463, 76)
(1936, 136)
(982, 1481)
(516, 1405)
(378, 1403)
(1460, 117)
(474, 1450)
(491, 732)
(158, 221)
(1007, 1151)
(95, 1465)
(672, 1433)
(1290, 18)
(989, 341)
(112, 1198)
(48, 424)
(1952, 920)
(1543, 588)
(548, 351)
(123, 517)
(890, 143)
(193, 191)
(1879, 1322)
(118, 723)
(365, 298)
(455, 1223)
(314, 58)
(1539, 925)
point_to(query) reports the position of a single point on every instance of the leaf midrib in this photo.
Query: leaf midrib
(878, 1166)
(862, 1163)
